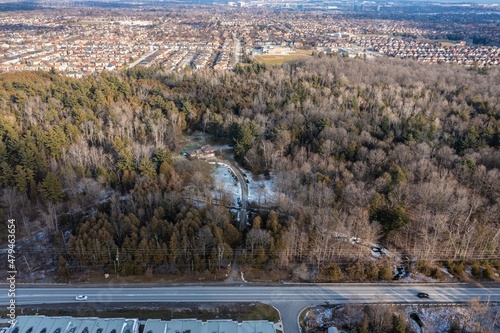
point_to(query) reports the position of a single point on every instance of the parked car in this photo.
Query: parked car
(81, 298)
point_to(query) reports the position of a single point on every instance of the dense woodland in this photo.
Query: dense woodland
(393, 152)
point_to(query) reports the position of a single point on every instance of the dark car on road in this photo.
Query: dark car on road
(422, 295)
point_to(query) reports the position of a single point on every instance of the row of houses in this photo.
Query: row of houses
(460, 53)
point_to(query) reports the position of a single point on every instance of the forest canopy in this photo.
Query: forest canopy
(388, 151)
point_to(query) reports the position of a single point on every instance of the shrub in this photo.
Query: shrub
(331, 272)
(385, 272)
(476, 270)
(496, 264)
(372, 271)
(457, 269)
(488, 272)
(424, 267)
(356, 272)
(436, 273)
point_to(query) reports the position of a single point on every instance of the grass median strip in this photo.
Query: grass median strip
(165, 311)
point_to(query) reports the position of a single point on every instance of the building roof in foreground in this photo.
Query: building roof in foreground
(43, 324)
(210, 326)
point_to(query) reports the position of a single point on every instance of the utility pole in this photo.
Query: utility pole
(117, 260)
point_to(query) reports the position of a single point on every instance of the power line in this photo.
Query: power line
(439, 255)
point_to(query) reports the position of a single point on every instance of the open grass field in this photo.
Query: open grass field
(447, 43)
(278, 59)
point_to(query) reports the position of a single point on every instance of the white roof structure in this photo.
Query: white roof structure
(43, 324)
(209, 326)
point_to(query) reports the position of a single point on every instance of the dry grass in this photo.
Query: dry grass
(277, 59)
(165, 311)
(256, 274)
(302, 318)
(97, 277)
(447, 44)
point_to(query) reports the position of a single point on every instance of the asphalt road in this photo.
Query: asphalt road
(135, 63)
(289, 299)
(244, 191)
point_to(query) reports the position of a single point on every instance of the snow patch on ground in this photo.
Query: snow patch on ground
(221, 147)
(445, 271)
(324, 317)
(261, 190)
(378, 250)
(417, 277)
(439, 319)
(436, 319)
(225, 184)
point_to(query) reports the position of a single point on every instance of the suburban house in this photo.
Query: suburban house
(203, 152)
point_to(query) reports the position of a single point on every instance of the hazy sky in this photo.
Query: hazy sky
(467, 1)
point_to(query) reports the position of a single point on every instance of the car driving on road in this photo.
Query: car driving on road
(81, 298)
(422, 295)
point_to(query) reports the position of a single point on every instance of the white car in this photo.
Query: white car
(81, 298)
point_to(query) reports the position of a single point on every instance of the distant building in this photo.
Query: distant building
(203, 152)
(258, 50)
(347, 53)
